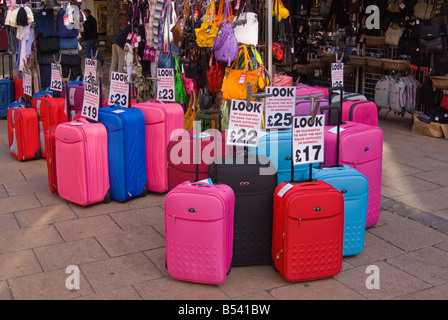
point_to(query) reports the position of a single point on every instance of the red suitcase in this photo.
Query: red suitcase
(50, 111)
(23, 133)
(308, 229)
(18, 88)
(50, 147)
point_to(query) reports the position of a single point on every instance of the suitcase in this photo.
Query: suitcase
(360, 147)
(76, 99)
(126, 151)
(354, 186)
(276, 145)
(50, 146)
(23, 132)
(43, 93)
(82, 162)
(308, 225)
(50, 111)
(162, 120)
(18, 88)
(182, 164)
(253, 180)
(363, 111)
(7, 91)
(347, 96)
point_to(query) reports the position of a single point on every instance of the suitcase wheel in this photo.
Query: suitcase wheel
(145, 191)
(107, 197)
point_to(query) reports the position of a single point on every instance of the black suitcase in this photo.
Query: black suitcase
(253, 180)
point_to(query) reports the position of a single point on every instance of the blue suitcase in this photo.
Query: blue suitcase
(126, 151)
(354, 186)
(7, 92)
(276, 145)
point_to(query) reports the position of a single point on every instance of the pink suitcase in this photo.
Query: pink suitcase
(82, 168)
(360, 147)
(363, 111)
(199, 232)
(163, 120)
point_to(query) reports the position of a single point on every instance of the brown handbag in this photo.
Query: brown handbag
(177, 30)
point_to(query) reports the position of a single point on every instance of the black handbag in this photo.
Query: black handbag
(440, 64)
(431, 40)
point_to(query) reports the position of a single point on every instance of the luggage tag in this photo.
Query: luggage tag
(208, 181)
(242, 79)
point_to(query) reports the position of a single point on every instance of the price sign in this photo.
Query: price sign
(280, 107)
(308, 139)
(119, 89)
(27, 82)
(91, 101)
(337, 74)
(165, 85)
(90, 69)
(56, 79)
(244, 123)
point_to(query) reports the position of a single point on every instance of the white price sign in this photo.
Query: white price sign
(119, 89)
(337, 74)
(280, 107)
(27, 82)
(308, 139)
(56, 78)
(165, 85)
(244, 123)
(90, 104)
(90, 69)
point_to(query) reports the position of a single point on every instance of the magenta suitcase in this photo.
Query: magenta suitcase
(199, 232)
(76, 100)
(362, 111)
(82, 162)
(360, 147)
(162, 121)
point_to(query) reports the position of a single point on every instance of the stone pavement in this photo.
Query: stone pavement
(119, 247)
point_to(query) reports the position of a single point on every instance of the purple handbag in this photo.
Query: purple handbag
(225, 45)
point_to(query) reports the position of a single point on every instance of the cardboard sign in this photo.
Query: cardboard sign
(27, 82)
(280, 107)
(165, 85)
(244, 123)
(90, 66)
(56, 78)
(337, 74)
(119, 89)
(91, 101)
(308, 139)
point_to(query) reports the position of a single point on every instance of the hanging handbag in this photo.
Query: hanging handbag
(206, 33)
(431, 40)
(215, 75)
(225, 114)
(224, 5)
(225, 45)
(190, 114)
(206, 99)
(423, 10)
(393, 35)
(177, 31)
(165, 58)
(246, 26)
(440, 64)
(179, 87)
(234, 85)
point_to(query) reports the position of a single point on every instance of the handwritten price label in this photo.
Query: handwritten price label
(119, 89)
(244, 123)
(280, 107)
(91, 101)
(308, 139)
(27, 82)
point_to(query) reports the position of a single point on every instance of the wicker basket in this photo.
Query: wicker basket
(375, 63)
(318, 63)
(357, 61)
(375, 41)
(440, 82)
(328, 58)
(348, 69)
(396, 65)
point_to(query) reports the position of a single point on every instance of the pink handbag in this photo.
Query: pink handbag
(189, 84)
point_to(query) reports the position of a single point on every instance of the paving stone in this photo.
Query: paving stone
(392, 282)
(428, 264)
(130, 241)
(407, 234)
(8, 222)
(46, 198)
(152, 199)
(18, 264)
(322, 289)
(33, 237)
(70, 253)
(35, 173)
(438, 292)
(437, 176)
(25, 187)
(3, 192)
(48, 286)
(18, 203)
(423, 163)
(157, 256)
(98, 209)
(45, 215)
(139, 217)
(428, 201)
(86, 227)
(11, 176)
(119, 272)
(4, 291)
(408, 184)
(171, 289)
(125, 293)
